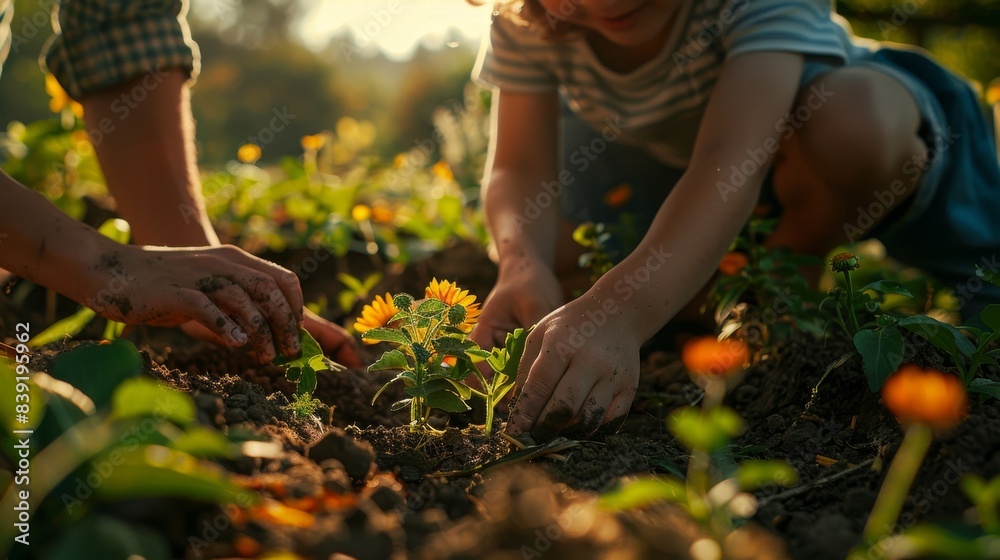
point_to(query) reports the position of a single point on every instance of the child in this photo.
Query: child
(703, 107)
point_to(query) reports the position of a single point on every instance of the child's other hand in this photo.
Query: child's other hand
(580, 369)
(520, 299)
(238, 297)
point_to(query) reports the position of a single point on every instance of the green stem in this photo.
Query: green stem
(850, 303)
(897, 483)
(416, 403)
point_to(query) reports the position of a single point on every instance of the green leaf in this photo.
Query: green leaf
(386, 335)
(311, 355)
(986, 387)
(452, 346)
(154, 471)
(353, 284)
(990, 316)
(755, 474)
(117, 230)
(706, 431)
(881, 354)
(399, 377)
(205, 443)
(942, 335)
(8, 411)
(393, 359)
(70, 326)
(307, 382)
(420, 353)
(463, 390)
(142, 397)
(887, 287)
(101, 537)
(431, 308)
(400, 405)
(447, 401)
(644, 491)
(97, 369)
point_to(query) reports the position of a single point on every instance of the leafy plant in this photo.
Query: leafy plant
(92, 412)
(778, 297)
(879, 342)
(433, 353)
(302, 371)
(599, 257)
(356, 289)
(714, 497)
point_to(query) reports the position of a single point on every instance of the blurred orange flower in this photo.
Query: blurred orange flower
(925, 396)
(248, 153)
(441, 170)
(279, 514)
(618, 196)
(382, 214)
(376, 315)
(712, 357)
(60, 100)
(993, 92)
(312, 142)
(732, 263)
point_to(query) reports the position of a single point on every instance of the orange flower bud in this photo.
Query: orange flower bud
(732, 263)
(618, 196)
(925, 396)
(709, 356)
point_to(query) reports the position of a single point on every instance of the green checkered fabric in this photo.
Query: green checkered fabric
(101, 43)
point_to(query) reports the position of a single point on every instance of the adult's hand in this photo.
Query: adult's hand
(238, 297)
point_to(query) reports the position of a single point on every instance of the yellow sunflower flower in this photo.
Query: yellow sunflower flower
(376, 315)
(451, 294)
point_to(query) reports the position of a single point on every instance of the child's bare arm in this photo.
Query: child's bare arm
(237, 296)
(523, 156)
(581, 363)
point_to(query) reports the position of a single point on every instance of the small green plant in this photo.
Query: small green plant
(355, 289)
(778, 298)
(925, 402)
(302, 371)
(433, 353)
(879, 342)
(599, 257)
(716, 492)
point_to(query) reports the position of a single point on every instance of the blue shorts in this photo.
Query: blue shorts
(950, 225)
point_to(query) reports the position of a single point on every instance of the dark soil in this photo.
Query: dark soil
(366, 486)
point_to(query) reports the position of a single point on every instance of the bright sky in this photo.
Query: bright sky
(396, 27)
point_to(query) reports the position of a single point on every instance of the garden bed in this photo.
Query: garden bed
(353, 480)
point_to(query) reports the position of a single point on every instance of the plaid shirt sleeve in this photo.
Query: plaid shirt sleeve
(101, 43)
(6, 14)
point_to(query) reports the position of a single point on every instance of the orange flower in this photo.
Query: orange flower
(712, 357)
(732, 263)
(618, 196)
(843, 262)
(312, 142)
(59, 99)
(453, 295)
(277, 513)
(993, 92)
(442, 170)
(925, 396)
(248, 153)
(381, 213)
(245, 547)
(378, 314)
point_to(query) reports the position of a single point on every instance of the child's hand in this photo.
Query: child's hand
(519, 299)
(237, 296)
(580, 368)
